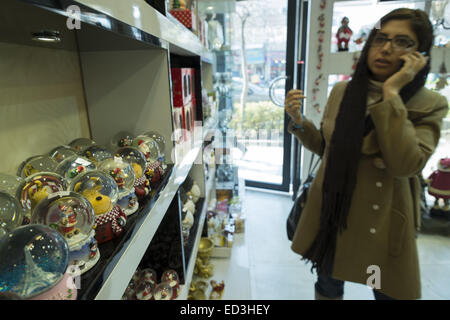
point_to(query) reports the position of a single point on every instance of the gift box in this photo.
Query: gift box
(185, 16)
(181, 86)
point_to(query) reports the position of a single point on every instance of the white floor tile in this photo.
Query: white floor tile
(263, 267)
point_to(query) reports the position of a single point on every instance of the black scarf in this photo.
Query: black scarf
(340, 176)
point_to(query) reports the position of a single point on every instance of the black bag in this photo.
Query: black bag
(300, 201)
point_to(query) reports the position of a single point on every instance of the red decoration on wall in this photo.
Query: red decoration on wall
(321, 33)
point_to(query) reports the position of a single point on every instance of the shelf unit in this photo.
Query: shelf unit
(110, 75)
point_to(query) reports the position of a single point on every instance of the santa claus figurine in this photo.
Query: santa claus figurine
(343, 35)
(439, 187)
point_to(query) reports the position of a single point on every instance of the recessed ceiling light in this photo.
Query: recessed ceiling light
(46, 36)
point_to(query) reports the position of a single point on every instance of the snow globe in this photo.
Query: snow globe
(36, 164)
(150, 149)
(62, 152)
(145, 290)
(120, 140)
(81, 144)
(102, 192)
(160, 140)
(97, 154)
(33, 264)
(36, 187)
(137, 160)
(163, 291)
(9, 183)
(148, 274)
(123, 174)
(73, 166)
(73, 217)
(171, 277)
(11, 213)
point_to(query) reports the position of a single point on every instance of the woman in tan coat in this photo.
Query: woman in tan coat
(377, 133)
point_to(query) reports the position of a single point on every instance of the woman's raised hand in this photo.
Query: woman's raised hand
(413, 63)
(293, 104)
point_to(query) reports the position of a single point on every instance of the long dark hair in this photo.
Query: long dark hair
(346, 141)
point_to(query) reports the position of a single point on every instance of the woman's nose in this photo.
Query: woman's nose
(387, 47)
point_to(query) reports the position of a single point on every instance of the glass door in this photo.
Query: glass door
(262, 45)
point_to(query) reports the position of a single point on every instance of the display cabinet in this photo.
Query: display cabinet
(90, 69)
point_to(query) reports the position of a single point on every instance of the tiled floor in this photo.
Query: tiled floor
(262, 265)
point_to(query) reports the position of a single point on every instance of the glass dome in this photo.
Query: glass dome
(160, 140)
(121, 139)
(33, 259)
(62, 152)
(148, 147)
(96, 185)
(11, 213)
(81, 144)
(97, 154)
(121, 171)
(36, 164)
(10, 183)
(67, 212)
(135, 157)
(73, 166)
(38, 186)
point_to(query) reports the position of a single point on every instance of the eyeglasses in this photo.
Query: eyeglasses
(397, 42)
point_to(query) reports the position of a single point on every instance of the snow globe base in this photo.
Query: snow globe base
(83, 254)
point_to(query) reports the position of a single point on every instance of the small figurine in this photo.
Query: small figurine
(217, 290)
(439, 188)
(195, 192)
(67, 225)
(343, 35)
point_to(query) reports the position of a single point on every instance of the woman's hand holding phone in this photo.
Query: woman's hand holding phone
(293, 104)
(413, 63)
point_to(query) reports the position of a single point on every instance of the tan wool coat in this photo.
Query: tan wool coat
(384, 214)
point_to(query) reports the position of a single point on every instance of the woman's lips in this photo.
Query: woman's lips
(382, 63)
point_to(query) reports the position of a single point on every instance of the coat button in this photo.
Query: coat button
(379, 163)
(373, 230)
(376, 207)
(379, 184)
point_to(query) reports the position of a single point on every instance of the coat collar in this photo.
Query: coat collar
(418, 106)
